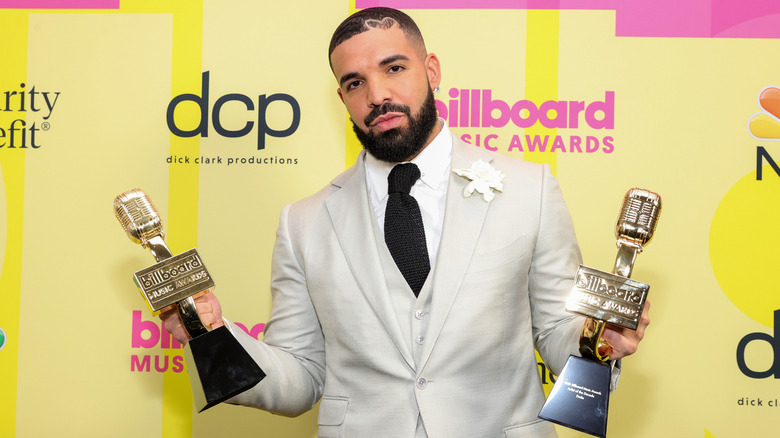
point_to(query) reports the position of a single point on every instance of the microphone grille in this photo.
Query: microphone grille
(137, 215)
(638, 216)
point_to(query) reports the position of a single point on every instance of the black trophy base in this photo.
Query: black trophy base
(219, 368)
(580, 398)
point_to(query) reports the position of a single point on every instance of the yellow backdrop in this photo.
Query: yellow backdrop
(98, 97)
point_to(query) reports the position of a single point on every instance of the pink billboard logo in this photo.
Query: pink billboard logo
(478, 108)
(152, 335)
(59, 4)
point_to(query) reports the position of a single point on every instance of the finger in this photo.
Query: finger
(204, 308)
(209, 312)
(173, 325)
(625, 341)
(207, 315)
(170, 319)
(644, 320)
(212, 307)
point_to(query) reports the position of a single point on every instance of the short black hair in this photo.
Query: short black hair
(370, 18)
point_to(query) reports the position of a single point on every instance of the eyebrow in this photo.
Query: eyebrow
(346, 78)
(393, 58)
(389, 60)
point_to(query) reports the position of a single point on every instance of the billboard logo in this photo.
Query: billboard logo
(151, 335)
(477, 108)
(765, 125)
(773, 341)
(264, 105)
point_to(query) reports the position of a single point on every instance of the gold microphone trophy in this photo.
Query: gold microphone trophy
(219, 368)
(580, 397)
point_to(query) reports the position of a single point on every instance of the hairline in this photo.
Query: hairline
(377, 18)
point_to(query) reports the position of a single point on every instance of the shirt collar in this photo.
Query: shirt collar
(433, 161)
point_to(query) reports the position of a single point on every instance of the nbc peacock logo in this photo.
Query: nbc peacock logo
(765, 124)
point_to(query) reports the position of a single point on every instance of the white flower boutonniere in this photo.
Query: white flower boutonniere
(484, 179)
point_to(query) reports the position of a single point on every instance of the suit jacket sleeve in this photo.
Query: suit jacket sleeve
(556, 246)
(555, 258)
(293, 352)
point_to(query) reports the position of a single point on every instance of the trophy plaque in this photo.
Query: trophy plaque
(580, 397)
(218, 366)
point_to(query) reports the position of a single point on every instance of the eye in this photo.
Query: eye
(395, 69)
(353, 84)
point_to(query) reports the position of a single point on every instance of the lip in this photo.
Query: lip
(387, 121)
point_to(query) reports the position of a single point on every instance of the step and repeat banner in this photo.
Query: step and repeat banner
(224, 111)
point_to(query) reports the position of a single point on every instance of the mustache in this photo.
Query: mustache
(384, 109)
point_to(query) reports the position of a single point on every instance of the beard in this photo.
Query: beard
(399, 144)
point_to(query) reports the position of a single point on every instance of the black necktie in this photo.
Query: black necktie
(404, 232)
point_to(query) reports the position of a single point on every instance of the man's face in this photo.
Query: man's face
(385, 82)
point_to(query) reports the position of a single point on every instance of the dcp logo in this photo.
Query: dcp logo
(263, 104)
(774, 341)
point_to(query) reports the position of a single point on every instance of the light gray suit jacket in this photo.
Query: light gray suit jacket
(496, 291)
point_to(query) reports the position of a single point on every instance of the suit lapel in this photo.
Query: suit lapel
(353, 221)
(463, 219)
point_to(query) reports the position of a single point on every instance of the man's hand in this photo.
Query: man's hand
(208, 308)
(625, 341)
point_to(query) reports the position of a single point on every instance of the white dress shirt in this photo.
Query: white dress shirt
(430, 190)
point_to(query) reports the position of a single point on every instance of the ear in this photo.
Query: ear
(338, 91)
(433, 69)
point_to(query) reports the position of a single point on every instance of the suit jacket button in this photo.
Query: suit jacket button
(419, 314)
(422, 383)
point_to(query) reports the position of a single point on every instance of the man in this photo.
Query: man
(449, 353)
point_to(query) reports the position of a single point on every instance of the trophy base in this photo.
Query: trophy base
(580, 398)
(219, 368)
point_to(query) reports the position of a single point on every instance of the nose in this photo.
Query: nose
(378, 93)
